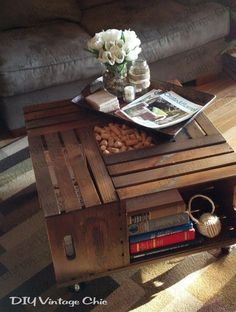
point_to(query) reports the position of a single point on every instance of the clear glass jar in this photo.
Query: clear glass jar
(139, 75)
(115, 80)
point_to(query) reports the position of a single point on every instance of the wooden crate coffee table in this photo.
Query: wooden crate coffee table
(88, 237)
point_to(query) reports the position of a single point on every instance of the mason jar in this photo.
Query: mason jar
(139, 75)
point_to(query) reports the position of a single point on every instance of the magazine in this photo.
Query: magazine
(159, 109)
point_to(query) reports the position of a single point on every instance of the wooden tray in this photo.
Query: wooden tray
(198, 97)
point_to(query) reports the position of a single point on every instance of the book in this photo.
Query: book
(162, 250)
(103, 101)
(153, 206)
(159, 212)
(162, 241)
(159, 109)
(163, 232)
(158, 224)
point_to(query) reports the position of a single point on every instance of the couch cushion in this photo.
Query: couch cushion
(26, 13)
(85, 4)
(165, 28)
(35, 58)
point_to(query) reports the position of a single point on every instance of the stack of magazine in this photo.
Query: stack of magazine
(159, 109)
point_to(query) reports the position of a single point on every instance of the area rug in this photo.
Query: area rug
(202, 282)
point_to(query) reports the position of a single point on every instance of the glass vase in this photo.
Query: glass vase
(115, 79)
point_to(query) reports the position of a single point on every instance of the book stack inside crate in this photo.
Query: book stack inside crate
(164, 227)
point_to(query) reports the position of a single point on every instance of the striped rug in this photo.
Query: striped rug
(203, 282)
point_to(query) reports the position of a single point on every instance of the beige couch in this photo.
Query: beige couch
(42, 45)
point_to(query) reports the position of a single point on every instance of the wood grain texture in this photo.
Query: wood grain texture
(52, 120)
(182, 136)
(175, 170)
(78, 164)
(206, 124)
(177, 182)
(55, 111)
(164, 148)
(44, 184)
(194, 130)
(98, 168)
(158, 199)
(69, 198)
(45, 106)
(169, 159)
(98, 239)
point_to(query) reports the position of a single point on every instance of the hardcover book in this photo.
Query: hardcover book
(154, 206)
(163, 232)
(159, 212)
(153, 252)
(162, 241)
(158, 224)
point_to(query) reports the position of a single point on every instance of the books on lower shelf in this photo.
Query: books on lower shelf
(162, 250)
(162, 241)
(161, 222)
(159, 233)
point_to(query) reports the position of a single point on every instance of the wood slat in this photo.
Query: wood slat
(65, 183)
(164, 148)
(45, 188)
(82, 122)
(206, 125)
(174, 170)
(150, 201)
(178, 182)
(168, 159)
(50, 112)
(102, 178)
(80, 169)
(45, 106)
(194, 130)
(182, 136)
(50, 121)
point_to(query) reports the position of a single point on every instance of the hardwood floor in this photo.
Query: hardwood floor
(222, 111)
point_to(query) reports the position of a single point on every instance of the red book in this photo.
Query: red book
(162, 241)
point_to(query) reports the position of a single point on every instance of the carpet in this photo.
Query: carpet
(202, 282)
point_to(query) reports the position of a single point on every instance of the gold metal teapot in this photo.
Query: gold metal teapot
(208, 224)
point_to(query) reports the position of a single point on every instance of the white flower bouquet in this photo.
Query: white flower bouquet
(115, 48)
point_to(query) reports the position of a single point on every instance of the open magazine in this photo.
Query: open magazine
(159, 109)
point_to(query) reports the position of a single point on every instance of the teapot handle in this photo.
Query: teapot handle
(190, 205)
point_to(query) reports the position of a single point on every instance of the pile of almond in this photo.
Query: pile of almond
(115, 138)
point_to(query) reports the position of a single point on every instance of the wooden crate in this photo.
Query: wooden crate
(86, 196)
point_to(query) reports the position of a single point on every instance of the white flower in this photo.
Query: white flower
(111, 35)
(131, 40)
(115, 46)
(95, 43)
(118, 54)
(106, 57)
(133, 54)
(109, 44)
